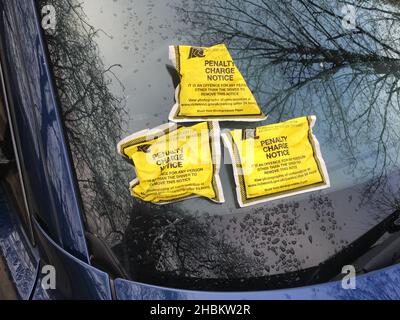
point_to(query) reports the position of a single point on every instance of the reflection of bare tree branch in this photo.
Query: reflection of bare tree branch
(93, 116)
(297, 54)
(161, 239)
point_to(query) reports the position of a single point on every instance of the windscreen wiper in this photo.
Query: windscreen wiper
(348, 255)
(325, 272)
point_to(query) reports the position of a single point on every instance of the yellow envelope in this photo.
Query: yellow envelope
(174, 163)
(211, 87)
(276, 161)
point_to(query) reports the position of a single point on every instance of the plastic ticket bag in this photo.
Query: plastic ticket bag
(211, 87)
(174, 163)
(276, 161)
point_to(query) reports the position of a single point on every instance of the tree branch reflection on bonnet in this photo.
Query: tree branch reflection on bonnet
(337, 59)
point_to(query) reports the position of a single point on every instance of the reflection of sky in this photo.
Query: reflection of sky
(141, 33)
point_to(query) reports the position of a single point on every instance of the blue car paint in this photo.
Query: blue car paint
(49, 176)
(74, 279)
(21, 259)
(379, 285)
(45, 161)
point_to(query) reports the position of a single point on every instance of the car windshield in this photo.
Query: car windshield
(337, 60)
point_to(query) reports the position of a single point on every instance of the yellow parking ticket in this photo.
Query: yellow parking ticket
(211, 87)
(276, 161)
(174, 163)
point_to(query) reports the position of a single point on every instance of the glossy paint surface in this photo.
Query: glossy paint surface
(16, 249)
(74, 279)
(39, 133)
(380, 285)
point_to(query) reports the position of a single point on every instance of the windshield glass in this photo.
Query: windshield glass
(337, 60)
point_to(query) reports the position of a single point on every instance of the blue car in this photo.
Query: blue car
(78, 76)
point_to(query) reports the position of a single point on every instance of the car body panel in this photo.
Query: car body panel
(46, 167)
(378, 285)
(49, 176)
(19, 255)
(74, 278)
